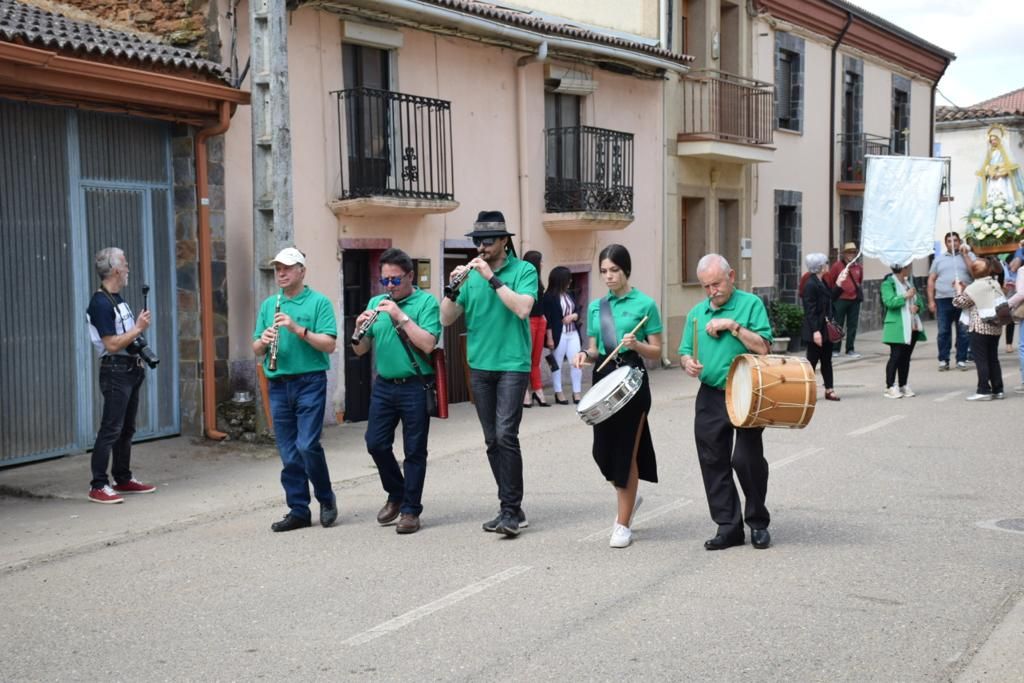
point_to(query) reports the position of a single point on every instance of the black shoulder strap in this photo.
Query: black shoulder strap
(405, 345)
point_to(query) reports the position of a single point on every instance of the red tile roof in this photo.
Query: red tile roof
(1011, 102)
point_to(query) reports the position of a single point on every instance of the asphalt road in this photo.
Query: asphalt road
(898, 552)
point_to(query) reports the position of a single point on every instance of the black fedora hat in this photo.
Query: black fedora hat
(490, 224)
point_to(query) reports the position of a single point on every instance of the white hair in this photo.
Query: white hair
(107, 260)
(709, 261)
(816, 262)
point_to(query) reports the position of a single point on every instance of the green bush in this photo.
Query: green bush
(786, 319)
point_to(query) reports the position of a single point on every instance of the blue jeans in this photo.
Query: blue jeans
(297, 406)
(498, 396)
(948, 315)
(390, 403)
(119, 383)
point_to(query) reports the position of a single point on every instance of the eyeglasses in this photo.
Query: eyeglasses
(394, 280)
(484, 241)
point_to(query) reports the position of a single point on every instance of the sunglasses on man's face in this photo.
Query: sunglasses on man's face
(394, 280)
(484, 241)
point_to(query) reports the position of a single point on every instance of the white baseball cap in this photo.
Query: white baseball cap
(289, 256)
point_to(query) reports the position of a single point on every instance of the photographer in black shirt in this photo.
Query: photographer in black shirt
(117, 336)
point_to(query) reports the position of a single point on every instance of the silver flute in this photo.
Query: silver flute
(452, 288)
(361, 331)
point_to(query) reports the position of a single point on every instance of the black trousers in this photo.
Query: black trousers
(119, 383)
(718, 459)
(986, 361)
(899, 362)
(823, 354)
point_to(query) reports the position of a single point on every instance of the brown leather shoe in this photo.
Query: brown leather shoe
(388, 513)
(408, 523)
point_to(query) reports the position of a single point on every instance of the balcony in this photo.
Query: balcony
(396, 154)
(589, 179)
(726, 118)
(854, 150)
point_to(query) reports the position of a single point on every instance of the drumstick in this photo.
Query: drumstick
(695, 356)
(612, 354)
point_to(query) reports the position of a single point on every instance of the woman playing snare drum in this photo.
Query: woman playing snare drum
(622, 443)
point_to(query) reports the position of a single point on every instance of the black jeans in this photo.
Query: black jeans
(714, 436)
(119, 382)
(986, 361)
(498, 396)
(899, 362)
(822, 353)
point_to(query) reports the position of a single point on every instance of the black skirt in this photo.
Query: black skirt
(616, 437)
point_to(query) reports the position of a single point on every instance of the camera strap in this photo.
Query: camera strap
(117, 309)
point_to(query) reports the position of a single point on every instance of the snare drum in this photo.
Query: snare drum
(770, 391)
(608, 396)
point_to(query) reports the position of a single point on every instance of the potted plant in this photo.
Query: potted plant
(995, 228)
(786, 320)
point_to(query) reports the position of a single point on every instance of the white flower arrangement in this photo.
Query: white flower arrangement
(996, 224)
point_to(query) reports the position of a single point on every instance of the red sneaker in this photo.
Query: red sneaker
(105, 495)
(134, 486)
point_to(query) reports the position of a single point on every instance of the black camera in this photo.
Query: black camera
(139, 346)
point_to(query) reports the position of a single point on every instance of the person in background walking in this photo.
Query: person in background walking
(563, 337)
(847, 306)
(902, 328)
(818, 299)
(538, 330)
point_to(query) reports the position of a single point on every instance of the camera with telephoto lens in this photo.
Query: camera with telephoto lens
(139, 346)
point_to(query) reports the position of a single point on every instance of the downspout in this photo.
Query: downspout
(521, 131)
(206, 274)
(832, 138)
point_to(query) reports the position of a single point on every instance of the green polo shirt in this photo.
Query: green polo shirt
(627, 311)
(310, 310)
(716, 354)
(497, 339)
(390, 357)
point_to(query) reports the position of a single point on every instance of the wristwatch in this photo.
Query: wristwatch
(496, 283)
(402, 321)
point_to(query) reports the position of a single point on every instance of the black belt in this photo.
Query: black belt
(397, 380)
(288, 378)
(124, 361)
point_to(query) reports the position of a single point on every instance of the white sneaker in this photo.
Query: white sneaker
(962, 365)
(907, 392)
(1019, 389)
(980, 397)
(621, 537)
(892, 392)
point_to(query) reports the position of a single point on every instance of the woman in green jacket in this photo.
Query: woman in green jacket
(902, 328)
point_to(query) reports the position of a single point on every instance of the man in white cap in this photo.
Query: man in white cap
(303, 323)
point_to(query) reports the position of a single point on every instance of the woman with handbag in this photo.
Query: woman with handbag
(819, 329)
(980, 299)
(622, 448)
(902, 328)
(563, 337)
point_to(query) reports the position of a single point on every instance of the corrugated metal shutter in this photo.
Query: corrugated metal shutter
(72, 183)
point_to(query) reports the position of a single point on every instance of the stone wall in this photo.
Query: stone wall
(183, 23)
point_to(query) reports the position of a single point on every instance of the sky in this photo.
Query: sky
(987, 37)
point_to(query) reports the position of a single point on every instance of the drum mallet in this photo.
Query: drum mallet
(616, 351)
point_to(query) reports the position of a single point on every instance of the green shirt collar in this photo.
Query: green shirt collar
(301, 296)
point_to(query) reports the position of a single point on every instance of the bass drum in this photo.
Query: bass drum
(606, 397)
(770, 391)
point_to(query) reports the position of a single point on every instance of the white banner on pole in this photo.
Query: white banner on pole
(901, 203)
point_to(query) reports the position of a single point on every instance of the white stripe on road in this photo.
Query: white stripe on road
(656, 512)
(447, 601)
(796, 456)
(878, 425)
(946, 397)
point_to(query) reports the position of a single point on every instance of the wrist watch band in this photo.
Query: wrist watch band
(496, 283)
(402, 321)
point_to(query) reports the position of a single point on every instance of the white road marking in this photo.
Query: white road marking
(946, 397)
(796, 456)
(877, 425)
(447, 601)
(656, 512)
(993, 524)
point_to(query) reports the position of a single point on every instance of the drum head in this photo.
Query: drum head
(602, 389)
(741, 388)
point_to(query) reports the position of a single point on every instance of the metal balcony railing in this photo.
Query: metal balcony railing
(853, 149)
(588, 169)
(720, 106)
(394, 145)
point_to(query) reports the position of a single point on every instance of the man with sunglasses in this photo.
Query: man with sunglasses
(303, 322)
(497, 295)
(406, 328)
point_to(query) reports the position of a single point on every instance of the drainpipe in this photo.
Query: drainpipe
(521, 131)
(206, 274)
(832, 138)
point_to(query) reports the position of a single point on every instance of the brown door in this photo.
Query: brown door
(455, 336)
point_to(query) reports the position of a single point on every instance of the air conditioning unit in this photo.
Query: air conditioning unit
(569, 81)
